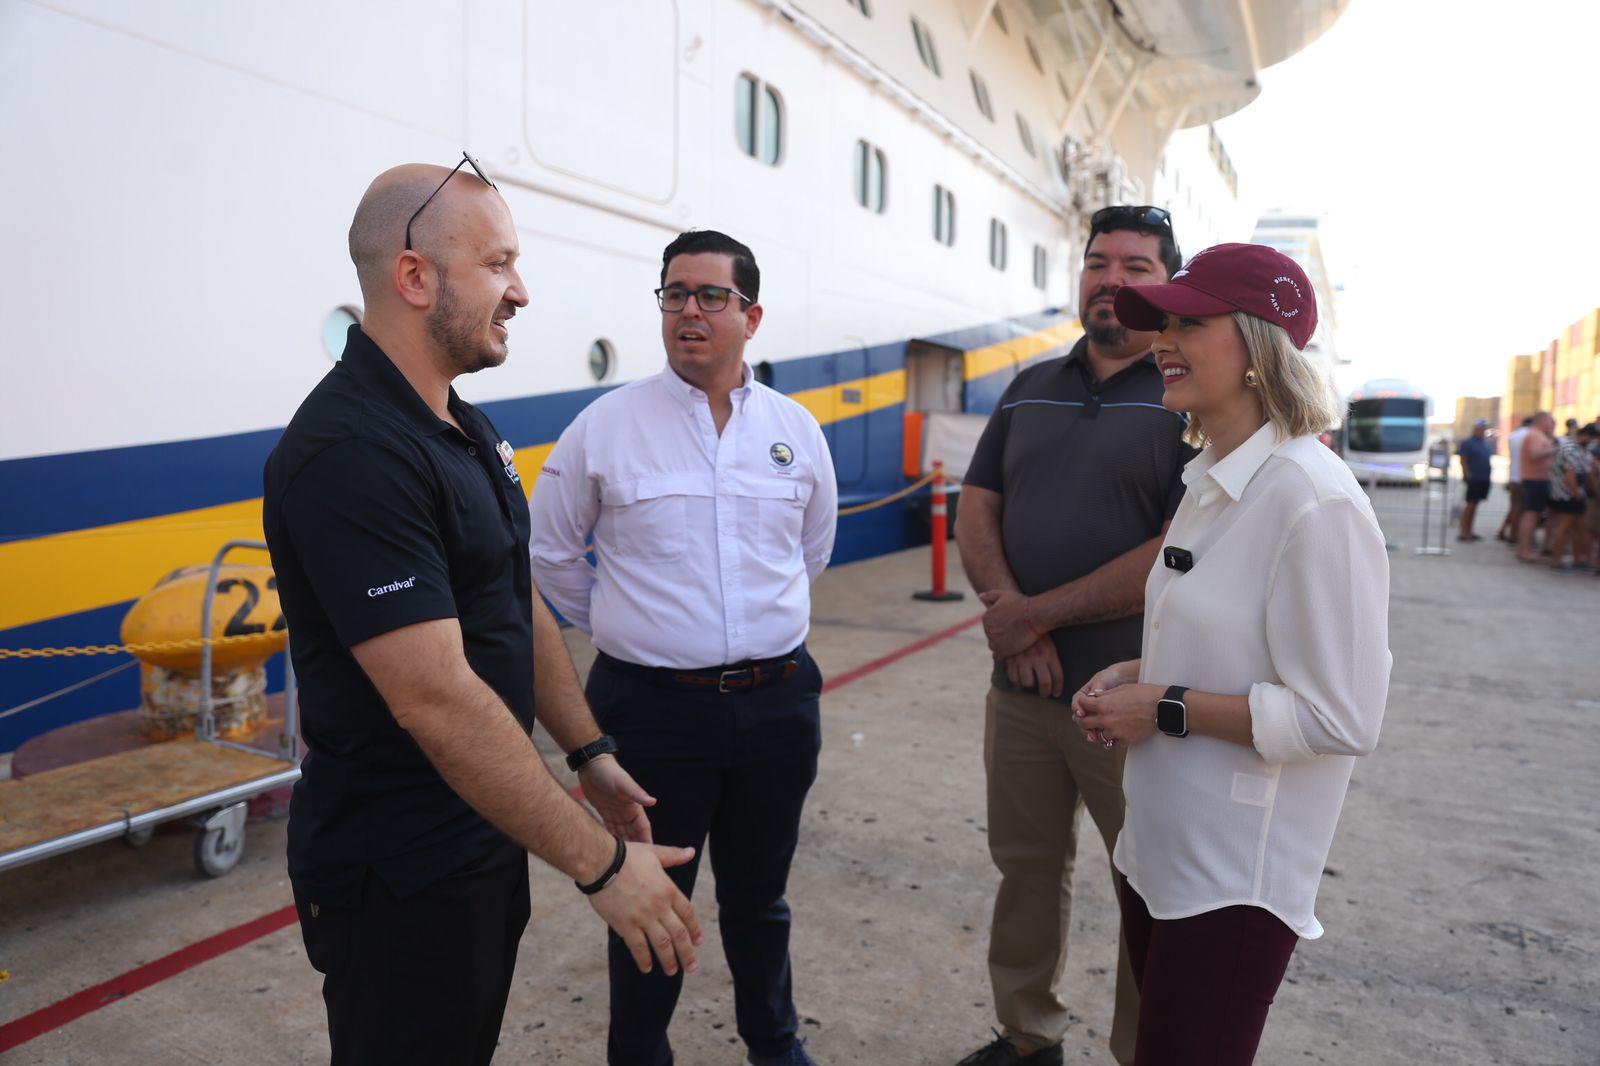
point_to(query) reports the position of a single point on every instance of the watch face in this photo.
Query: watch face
(1172, 717)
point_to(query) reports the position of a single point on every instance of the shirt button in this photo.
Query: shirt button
(471, 450)
(1155, 625)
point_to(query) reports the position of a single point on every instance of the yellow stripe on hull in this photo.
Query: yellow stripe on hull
(835, 403)
(86, 569)
(1012, 354)
(91, 568)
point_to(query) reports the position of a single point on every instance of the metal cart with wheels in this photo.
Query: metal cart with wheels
(204, 779)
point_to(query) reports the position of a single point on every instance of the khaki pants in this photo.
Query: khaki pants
(1039, 767)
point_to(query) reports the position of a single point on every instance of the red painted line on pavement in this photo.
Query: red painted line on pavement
(895, 656)
(13, 1034)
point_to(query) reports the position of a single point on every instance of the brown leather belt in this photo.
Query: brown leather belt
(747, 677)
(740, 677)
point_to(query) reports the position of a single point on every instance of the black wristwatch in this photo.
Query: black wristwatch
(1172, 714)
(576, 760)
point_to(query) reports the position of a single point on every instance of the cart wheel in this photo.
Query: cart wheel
(220, 843)
(138, 838)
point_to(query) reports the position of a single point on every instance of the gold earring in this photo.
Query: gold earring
(1250, 379)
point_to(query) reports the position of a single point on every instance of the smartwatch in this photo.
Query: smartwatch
(576, 760)
(1172, 714)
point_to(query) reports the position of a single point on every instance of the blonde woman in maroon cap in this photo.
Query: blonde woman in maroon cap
(1265, 662)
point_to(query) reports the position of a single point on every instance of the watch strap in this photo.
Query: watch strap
(577, 760)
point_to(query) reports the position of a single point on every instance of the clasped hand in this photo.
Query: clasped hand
(1112, 708)
(1030, 656)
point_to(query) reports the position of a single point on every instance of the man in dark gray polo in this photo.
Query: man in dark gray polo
(1062, 513)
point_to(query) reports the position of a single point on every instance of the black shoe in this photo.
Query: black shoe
(1002, 1052)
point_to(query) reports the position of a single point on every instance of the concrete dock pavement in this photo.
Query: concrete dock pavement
(1459, 901)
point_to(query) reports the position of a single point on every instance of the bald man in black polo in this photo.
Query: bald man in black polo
(399, 534)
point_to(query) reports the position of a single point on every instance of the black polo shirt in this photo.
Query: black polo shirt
(380, 515)
(1087, 470)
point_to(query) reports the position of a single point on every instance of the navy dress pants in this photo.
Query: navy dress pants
(734, 767)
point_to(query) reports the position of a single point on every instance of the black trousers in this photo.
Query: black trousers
(736, 768)
(422, 979)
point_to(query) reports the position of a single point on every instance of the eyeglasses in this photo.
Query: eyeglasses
(710, 298)
(1123, 215)
(466, 160)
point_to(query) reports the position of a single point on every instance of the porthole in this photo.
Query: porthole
(602, 359)
(336, 330)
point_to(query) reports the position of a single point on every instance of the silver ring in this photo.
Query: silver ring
(1109, 742)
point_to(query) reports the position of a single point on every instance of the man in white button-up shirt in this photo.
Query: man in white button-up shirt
(711, 501)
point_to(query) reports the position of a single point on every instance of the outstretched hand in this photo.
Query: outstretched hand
(618, 798)
(648, 912)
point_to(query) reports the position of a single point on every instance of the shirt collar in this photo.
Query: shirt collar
(1078, 354)
(1233, 473)
(374, 369)
(691, 395)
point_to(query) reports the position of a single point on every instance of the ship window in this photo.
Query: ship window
(602, 359)
(944, 215)
(1026, 134)
(1033, 54)
(336, 328)
(758, 119)
(997, 244)
(861, 6)
(1000, 19)
(1041, 267)
(925, 49)
(980, 92)
(870, 177)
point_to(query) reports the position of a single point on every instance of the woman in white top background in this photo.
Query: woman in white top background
(1265, 662)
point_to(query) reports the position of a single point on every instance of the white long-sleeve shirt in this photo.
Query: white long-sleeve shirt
(705, 546)
(1288, 603)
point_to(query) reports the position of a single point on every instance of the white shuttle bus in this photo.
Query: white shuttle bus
(1386, 432)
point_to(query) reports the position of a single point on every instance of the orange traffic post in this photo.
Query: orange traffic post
(941, 536)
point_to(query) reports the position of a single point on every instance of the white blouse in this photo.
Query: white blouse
(1288, 602)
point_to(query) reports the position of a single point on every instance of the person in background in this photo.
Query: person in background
(1265, 665)
(1474, 453)
(1064, 502)
(1538, 448)
(1508, 528)
(1571, 487)
(1592, 509)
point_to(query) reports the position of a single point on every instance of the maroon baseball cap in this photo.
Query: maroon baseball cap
(1252, 278)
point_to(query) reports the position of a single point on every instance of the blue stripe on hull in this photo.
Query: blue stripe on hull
(124, 484)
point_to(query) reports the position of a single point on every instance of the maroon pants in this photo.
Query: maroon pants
(1205, 982)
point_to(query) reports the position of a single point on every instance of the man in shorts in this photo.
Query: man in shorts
(1538, 448)
(1474, 452)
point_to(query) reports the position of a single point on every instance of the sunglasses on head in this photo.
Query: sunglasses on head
(1123, 215)
(466, 160)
